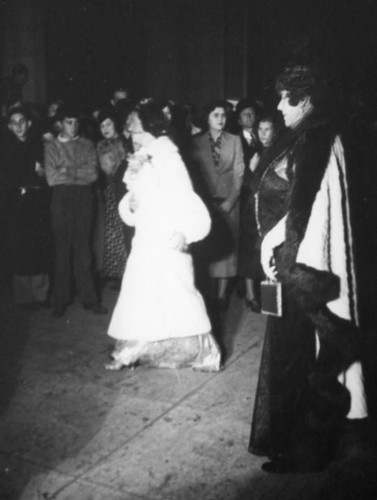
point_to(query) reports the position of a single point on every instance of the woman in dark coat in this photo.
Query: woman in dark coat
(246, 114)
(310, 390)
(249, 260)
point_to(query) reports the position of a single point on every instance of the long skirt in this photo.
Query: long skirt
(287, 360)
(115, 254)
(301, 406)
(199, 352)
(160, 317)
(249, 260)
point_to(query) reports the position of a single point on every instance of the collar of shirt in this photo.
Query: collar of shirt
(250, 137)
(63, 138)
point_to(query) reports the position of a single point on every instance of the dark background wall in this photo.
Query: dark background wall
(171, 48)
(194, 50)
(340, 34)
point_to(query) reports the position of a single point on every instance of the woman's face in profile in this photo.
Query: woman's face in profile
(139, 136)
(217, 119)
(266, 133)
(135, 129)
(291, 114)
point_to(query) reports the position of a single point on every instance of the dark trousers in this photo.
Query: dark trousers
(72, 217)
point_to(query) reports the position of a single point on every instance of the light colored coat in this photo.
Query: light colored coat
(222, 182)
(158, 299)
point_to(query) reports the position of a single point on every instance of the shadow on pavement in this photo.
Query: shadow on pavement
(55, 397)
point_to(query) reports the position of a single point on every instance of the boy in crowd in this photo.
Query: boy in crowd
(25, 228)
(71, 168)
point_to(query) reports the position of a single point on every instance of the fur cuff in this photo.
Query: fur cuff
(309, 288)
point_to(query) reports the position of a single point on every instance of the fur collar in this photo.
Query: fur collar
(308, 148)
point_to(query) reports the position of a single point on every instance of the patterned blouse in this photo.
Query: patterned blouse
(215, 149)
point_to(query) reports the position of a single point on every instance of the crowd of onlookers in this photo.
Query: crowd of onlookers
(61, 180)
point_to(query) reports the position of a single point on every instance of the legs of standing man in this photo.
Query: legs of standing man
(62, 215)
(72, 215)
(82, 254)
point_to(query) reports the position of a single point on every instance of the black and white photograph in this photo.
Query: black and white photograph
(188, 249)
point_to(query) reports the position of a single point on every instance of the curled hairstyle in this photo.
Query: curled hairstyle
(68, 110)
(301, 81)
(207, 110)
(108, 113)
(152, 118)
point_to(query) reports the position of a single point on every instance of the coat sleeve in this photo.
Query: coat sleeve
(51, 163)
(238, 172)
(127, 216)
(87, 170)
(187, 211)
(194, 220)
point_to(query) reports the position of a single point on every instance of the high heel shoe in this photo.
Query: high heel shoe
(114, 365)
(281, 464)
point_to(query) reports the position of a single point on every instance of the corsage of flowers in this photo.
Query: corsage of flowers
(136, 162)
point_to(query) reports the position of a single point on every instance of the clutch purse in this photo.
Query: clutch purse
(271, 298)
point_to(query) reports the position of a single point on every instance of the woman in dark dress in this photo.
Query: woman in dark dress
(249, 262)
(310, 390)
(112, 156)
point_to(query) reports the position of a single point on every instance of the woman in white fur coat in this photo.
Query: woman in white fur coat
(160, 318)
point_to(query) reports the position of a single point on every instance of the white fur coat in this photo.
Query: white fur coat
(158, 298)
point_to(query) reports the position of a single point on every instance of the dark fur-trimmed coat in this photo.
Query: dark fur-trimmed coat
(316, 262)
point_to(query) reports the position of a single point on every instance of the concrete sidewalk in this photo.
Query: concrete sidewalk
(72, 430)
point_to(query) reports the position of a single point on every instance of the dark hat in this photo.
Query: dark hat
(246, 102)
(106, 113)
(301, 80)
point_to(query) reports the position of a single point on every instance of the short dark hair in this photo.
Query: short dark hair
(216, 103)
(15, 110)
(68, 110)
(152, 117)
(300, 81)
